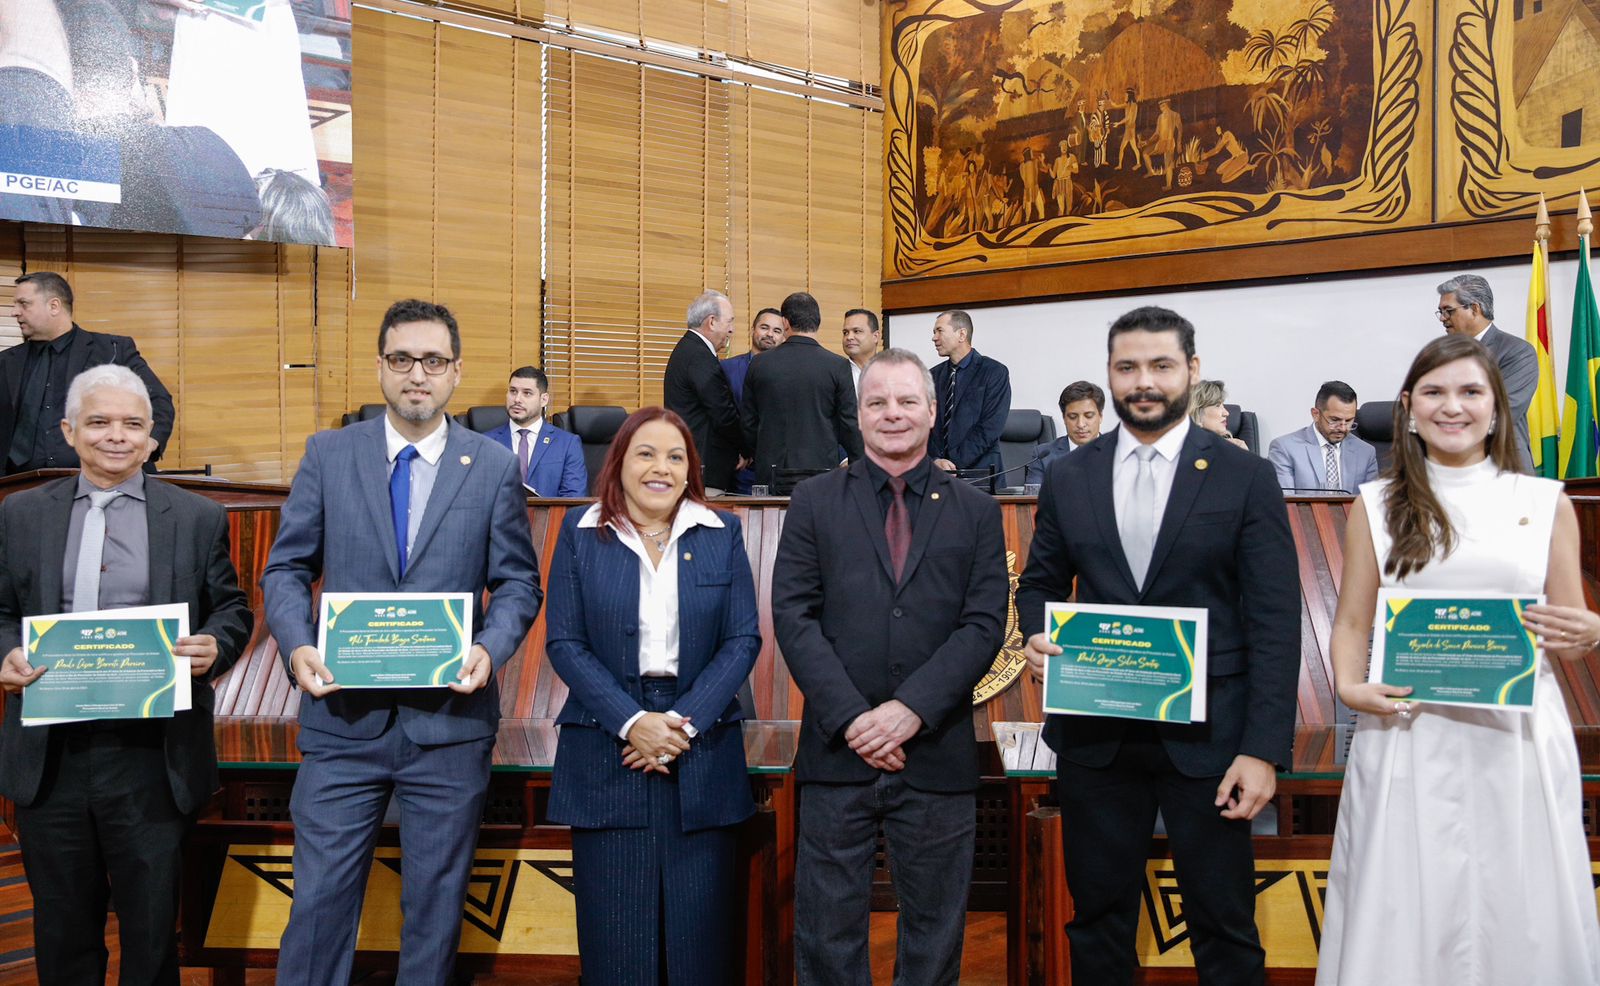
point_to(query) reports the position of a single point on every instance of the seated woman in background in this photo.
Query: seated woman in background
(1459, 854)
(1206, 410)
(652, 626)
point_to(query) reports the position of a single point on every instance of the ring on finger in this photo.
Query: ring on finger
(1402, 709)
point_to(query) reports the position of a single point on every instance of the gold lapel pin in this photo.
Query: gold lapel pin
(547, 439)
(1523, 522)
(933, 496)
(1202, 464)
(688, 556)
(466, 460)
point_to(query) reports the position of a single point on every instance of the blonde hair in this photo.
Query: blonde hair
(1205, 394)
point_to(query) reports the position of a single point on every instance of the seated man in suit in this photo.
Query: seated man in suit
(551, 460)
(1325, 455)
(974, 394)
(1083, 408)
(106, 804)
(409, 502)
(34, 376)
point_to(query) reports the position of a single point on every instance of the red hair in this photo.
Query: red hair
(608, 488)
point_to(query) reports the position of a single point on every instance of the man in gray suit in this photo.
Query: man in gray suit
(1466, 307)
(409, 502)
(1325, 455)
(103, 806)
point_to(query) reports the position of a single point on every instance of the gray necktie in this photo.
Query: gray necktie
(1139, 519)
(91, 549)
(1331, 459)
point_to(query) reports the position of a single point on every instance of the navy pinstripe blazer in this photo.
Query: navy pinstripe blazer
(593, 644)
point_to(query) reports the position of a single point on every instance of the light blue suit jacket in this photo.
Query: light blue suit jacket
(1297, 459)
(555, 462)
(336, 525)
(593, 643)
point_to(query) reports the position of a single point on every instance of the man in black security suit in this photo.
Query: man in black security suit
(34, 376)
(1160, 513)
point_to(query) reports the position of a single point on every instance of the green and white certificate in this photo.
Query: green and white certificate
(1456, 648)
(1134, 662)
(394, 640)
(106, 664)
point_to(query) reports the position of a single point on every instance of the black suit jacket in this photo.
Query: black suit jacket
(87, 349)
(698, 390)
(189, 563)
(853, 639)
(1224, 544)
(799, 409)
(983, 400)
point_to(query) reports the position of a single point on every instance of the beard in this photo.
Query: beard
(1172, 409)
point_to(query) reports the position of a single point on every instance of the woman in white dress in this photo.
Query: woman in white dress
(1459, 856)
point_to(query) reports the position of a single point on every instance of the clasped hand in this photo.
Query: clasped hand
(654, 736)
(879, 735)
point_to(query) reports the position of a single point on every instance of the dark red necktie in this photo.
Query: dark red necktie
(897, 527)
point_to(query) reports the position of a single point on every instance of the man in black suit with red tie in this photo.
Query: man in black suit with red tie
(1160, 513)
(888, 598)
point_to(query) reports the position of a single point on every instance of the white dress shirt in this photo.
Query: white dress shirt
(658, 592)
(709, 344)
(1163, 465)
(424, 469)
(533, 439)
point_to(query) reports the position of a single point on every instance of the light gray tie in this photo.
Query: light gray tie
(1331, 459)
(91, 550)
(1139, 520)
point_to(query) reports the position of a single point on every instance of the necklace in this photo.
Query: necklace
(657, 538)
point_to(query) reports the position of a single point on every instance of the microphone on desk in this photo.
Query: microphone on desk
(985, 479)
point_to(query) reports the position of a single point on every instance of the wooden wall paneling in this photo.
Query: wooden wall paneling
(527, 193)
(230, 409)
(297, 356)
(341, 352)
(834, 217)
(10, 269)
(683, 194)
(774, 252)
(395, 135)
(473, 213)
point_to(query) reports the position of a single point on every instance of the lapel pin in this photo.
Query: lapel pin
(688, 556)
(1523, 522)
(1202, 464)
(933, 496)
(547, 439)
(466, 460)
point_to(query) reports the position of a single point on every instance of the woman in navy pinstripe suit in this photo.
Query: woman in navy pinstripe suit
(652, 625)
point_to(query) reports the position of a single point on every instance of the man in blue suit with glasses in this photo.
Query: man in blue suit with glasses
(409, 502)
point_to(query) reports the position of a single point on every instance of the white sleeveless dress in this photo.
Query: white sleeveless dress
(1459, 858)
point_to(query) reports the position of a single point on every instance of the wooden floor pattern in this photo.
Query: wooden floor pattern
(983, 963)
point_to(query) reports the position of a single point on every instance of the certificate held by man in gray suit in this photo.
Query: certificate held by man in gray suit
(410, 502)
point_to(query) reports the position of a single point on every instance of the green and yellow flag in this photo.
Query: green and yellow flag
(1580, 428)
(1544, 417)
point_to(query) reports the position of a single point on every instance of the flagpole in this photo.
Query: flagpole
(1544, 410)
(1580, 426)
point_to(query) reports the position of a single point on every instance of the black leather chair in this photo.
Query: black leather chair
(365, 412)
(1375, 426)
(484, 418)
(1025, 428)
(596, 426)
(1244, 427)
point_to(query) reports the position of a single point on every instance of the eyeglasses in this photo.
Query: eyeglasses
(431, 365)
(1445, 313)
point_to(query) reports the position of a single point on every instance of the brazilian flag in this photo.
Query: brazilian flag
(1580, 426)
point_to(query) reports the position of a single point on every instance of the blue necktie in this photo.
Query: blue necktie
(400, 500)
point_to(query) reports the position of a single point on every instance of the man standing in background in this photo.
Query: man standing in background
(766, 332)
(862, 339)
(799, 406)
(34, 376)
(698, 390)
(974, 395)
(1466, 307)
